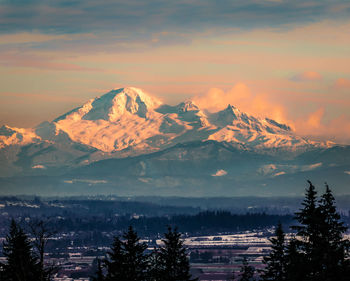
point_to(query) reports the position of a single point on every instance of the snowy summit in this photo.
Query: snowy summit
(131, 122)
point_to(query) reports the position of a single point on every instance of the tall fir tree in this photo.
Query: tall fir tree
(334, 248)
(276, 261)
(115, 262)
(135, 257)
(308, 233)
(294, 262)
(127, 260)
(319, 252)
(175, 265)
(99, 276)
(155, 266)
(21, 264)
(247, 271)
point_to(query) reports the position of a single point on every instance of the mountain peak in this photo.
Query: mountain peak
(120, 101)
(188, 105)
(6, 131)
(233, 110)
(229, 115)
(112, 105)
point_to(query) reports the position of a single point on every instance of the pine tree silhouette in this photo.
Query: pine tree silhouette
(308, 230)
(333, 248)
(276, 260)
(247, 271)
(21, 264)
(99, 272)
(155, 266)
(127, 260)
(294, 262)
(173, 258)
(115, 262)
(319, 252)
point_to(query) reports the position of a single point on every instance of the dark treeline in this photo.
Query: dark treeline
(17, 206)
(95, 231)
(208, 222)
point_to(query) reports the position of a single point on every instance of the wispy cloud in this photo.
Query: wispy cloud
(15, 59)
(315, 124)
(307, 76)
(144, 16)
(240, 95)
(219, 173)
(342, 83)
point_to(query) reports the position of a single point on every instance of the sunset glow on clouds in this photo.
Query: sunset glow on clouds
(287, 60)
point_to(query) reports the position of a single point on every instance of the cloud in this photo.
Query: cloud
(317, 124)
(307, 76)
(342, 83)
(279, 174)
(38, 167)
(267, 169)
(311, 167)
(87, 181)
(240, 95)
(14, 59)
(148, 16)
(315, 118)
(219, 173)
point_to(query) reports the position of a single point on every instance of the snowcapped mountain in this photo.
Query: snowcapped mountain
(151, 143)
(131, 122)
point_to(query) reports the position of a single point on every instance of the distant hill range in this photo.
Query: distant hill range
(129, 143)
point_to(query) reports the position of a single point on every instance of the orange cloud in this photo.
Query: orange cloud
(316, 127)
(342, 83)
(315, 118)
(240, 96)
(313, 125)
(40, 62)
(307, 76)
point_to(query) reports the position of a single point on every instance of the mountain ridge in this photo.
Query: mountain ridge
(130, 143)
(129, 118)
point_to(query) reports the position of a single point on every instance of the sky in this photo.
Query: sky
(284, 59)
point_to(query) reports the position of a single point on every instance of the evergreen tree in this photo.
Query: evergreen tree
(115, 261)
(320, 252)
(247, 271)
(99, 272)
(155, 266)
(173, 258)
(127, 260)
(21, 264)
(308, 232)
(334, 249)
(294, 262)
(276, 261)
(308, 217)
